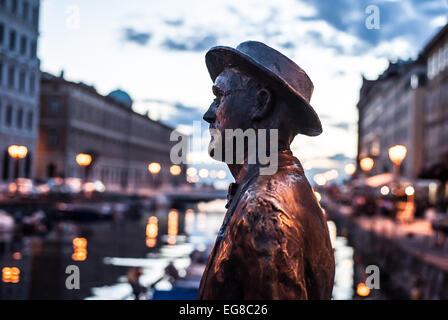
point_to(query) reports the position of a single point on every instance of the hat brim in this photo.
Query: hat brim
(220, 58)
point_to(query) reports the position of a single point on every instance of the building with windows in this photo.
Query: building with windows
(19, 84)
(390, 113)
(436, 100)
(408, 105)
(75, 118)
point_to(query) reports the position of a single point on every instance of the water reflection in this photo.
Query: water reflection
(173, 217)
(34, 267)
(80, 249)
(11, 274)
(152, 230)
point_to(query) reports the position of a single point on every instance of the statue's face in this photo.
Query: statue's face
(232, 106)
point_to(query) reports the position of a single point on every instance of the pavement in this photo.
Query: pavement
(417, 237)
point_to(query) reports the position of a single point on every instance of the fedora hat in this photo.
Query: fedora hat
(282, 73)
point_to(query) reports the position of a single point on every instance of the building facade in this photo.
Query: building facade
(19, 84)
(390, 113)
(408, 105)
(436, 100)
(75, 119)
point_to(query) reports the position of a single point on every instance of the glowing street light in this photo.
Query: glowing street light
(409, 191)
(221, 174)
(83, 159)
(320, 179)
(384, 190)
(366, 164)
(350, 168)
(175, 170)
(397, 154)
(362, 290)
(203, 173)
(17, 152)
(154, 167)
(331, 175)
(191, 172)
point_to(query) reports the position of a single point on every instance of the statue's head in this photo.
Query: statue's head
(256, 87)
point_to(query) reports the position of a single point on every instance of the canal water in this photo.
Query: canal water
(105, 251)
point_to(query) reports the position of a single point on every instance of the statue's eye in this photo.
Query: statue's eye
(217, 100)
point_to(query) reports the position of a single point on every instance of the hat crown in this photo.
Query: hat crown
(280, 65)
(286, 78)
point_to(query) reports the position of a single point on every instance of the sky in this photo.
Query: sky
(155, 49)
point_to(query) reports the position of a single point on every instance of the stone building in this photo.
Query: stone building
(408, 104)
(76, 119)
(436, 100)
(390, 113)
(19, 84)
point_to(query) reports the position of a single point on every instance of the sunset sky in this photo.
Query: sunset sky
(155, 51)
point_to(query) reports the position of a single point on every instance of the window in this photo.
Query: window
(22, 77)
(429, 68)
(8, 116)
(23, 44)
(29, 121)
(54, 105)
(14, 6)
(19, 119)
(2, 33)
(25, 10)
(12, 40)
(11, 77)
(441, 60)
(35, 16)
(33, 49)
(52, 138)
(445, 55)
(32, 84)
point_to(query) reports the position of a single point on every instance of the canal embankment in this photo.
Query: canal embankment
(411, 266)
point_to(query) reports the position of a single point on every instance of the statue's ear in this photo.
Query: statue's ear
(263, 104)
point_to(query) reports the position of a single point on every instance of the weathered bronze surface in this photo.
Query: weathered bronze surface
(274, 241)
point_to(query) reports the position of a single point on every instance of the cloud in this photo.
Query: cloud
(409, 19)
(140, 38)
(191, 43)
(174, 22)
(340, 157)
(341, 125)
(174, 114)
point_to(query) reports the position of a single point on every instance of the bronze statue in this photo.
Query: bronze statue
(274, 241)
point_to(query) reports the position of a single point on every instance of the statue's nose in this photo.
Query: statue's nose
(209, 116)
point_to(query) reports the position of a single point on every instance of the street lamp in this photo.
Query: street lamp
(175, 170)
(350, 168)
(366, 164)
(17, 153)
(84, 160)
(154, 168)
(397, 154)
